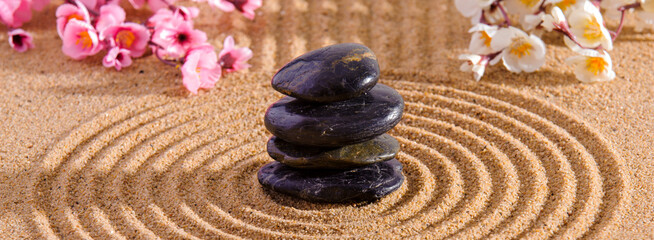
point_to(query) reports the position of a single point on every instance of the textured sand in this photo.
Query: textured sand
(88, 152)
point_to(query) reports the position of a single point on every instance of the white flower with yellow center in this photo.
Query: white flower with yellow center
(587, 25)
(554, 20)
(480, 43)
(472, 8)
(592, 66)
(521, 52)
(522, 6)
(473, 63)
(566, 6)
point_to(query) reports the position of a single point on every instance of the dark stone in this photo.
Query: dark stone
(338, 123)
(365, 183)
(333, 73)
(378, 149)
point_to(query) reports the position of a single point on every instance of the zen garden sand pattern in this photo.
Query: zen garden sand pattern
(90, 153)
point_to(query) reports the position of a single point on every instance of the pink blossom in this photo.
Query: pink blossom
(200, 70)
(14, 13)
(66, 12)
(95, 5)
(118, 58)
(110, 15)
(177, 37)
(80, 40)
(166, 16)
(20, 40)
(234, 59)
(131, 36)
(38, 5)
(247, 7)
(154, 5)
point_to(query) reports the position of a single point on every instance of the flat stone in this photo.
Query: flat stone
(378, 149)
(329, 74)
(338, 123)
(365, 183)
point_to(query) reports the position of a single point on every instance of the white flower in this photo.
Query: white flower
(521, 52)
(566, 6)
(572, 45)
(587, 25)
(482, 35)
(554, 20)
(472, 8)
(474, 63)
(530, 21)
(522, 6)
(592, 66)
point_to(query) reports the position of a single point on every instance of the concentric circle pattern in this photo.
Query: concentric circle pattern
(480, 161)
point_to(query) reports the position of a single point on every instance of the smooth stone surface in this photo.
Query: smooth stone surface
(333, 73)
(378, 149)
(365, 183)
(335, 124)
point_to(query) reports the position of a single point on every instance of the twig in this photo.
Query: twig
(504, 14)
(156, 54)
(622, 10)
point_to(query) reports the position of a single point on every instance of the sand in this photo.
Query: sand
(88, 152)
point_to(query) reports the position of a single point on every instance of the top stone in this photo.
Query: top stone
(333, 73)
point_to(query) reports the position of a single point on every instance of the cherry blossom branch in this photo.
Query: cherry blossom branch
(491, 57)
(541, 8)
(482, 19)
(503, 11)
(622, 10)
(566, 31)
(155, 52)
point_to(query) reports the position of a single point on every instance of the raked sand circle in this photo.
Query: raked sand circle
(481, 161)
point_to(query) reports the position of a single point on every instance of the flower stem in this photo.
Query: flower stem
(156, 54)
(504, 14)
(566, 31)
(482, 19)
(491, 56)
(541, 8)
(622, 10)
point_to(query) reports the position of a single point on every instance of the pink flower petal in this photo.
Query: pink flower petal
(38, 5)
(21, 14)
(66, 12)
(200, 69)
(131, 36)
(20, 40)
(117, 58)
(110, 15)
(233, 59)
(177, 38)
(80, 40)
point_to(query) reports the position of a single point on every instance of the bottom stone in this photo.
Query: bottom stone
(365, 183)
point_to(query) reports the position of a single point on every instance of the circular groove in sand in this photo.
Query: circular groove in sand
(480, 162)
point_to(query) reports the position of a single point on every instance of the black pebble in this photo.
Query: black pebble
(333, 73)
(365, 183)
(338, 123)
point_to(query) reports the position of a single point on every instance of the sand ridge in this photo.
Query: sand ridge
(480, 163)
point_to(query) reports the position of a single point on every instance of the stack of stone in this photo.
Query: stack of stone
(329, 139)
